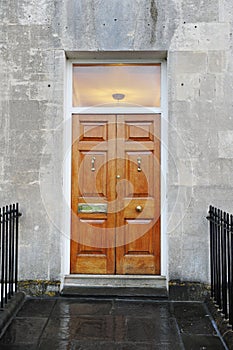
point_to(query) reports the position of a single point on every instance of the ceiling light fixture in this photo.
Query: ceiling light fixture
(118, 97)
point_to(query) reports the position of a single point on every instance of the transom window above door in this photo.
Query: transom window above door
(121, 85)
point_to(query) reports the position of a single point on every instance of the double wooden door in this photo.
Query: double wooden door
(115, 225)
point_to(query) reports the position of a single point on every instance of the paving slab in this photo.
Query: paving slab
(111, 323)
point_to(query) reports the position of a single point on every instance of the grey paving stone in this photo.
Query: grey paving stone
(192, 318)
(142, 329)
(18, 347)
(192, 342)
(142, 309)
(110, 324)
(73, 308)
(36, 308)
(23, 331)
(50, 344)
(83, 328)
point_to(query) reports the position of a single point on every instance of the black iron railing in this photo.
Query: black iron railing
(9, 233)
(221, 260)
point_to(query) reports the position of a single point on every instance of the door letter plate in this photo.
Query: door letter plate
(90, 208)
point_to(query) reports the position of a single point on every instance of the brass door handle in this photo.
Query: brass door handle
(93, 164)
(139, 208)
(139, 160)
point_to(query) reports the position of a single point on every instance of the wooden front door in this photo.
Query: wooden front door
(115, 226)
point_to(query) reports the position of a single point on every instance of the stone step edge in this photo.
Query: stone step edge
(116, 277)
(114, 291)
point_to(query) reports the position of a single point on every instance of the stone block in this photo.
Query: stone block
(194, 260)
(199, 11)
(200, 171)
(44, 37)
(117, 25)
(201, 37)
(220, 173)
(225, 144)
(19, 90)
(1, 166)
(217, 61)
(26, 115)
(175, 256)
(37, 258)
(226, 11)
(223, 117)
(27, 145)
(18, 37)
(185, 86)
(188, 62)
(202, 114)
(35, 12)
(219, 201)
(207, 90)
(179, 198)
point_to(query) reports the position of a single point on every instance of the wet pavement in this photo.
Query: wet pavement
(126, 324)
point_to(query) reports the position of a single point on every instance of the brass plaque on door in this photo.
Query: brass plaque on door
(91, 208)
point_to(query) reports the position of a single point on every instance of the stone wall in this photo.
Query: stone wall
(35, 37)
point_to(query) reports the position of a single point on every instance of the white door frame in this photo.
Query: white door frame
(69, 110)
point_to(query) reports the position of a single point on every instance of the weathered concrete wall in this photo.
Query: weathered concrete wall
(34, 38)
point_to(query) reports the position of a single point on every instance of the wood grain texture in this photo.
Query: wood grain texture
(128, 146)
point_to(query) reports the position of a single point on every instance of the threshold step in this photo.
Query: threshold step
(115, 286)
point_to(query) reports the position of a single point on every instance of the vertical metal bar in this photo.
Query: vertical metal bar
(3, 256)
(224, 265)
(231, 273)
(229, 287)
(7, 254)
(13, 248)
(16, 245)
(10, 252)
(219, 303)
(215, 253)
(1, 234)
(211, 251)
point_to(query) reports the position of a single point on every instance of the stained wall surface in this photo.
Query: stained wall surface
(34, 39)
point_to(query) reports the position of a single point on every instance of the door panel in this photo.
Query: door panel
(116, 166)
(139, 152)
(93, 165)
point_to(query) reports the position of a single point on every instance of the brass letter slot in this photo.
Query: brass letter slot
(90, 208)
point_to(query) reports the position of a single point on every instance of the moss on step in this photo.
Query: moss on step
(38, 288)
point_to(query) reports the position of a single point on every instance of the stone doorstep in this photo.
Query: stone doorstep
(111, 285)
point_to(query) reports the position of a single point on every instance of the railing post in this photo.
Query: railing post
(224, 265)
(13, 248)
(231, 274)
(7, 253)
(16, 245)
(218, 259)
(3, 256)
(211, 251)
(1, 252)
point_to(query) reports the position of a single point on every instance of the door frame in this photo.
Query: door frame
(67, 143)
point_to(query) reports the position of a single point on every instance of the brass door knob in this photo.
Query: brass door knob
(139, 208)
